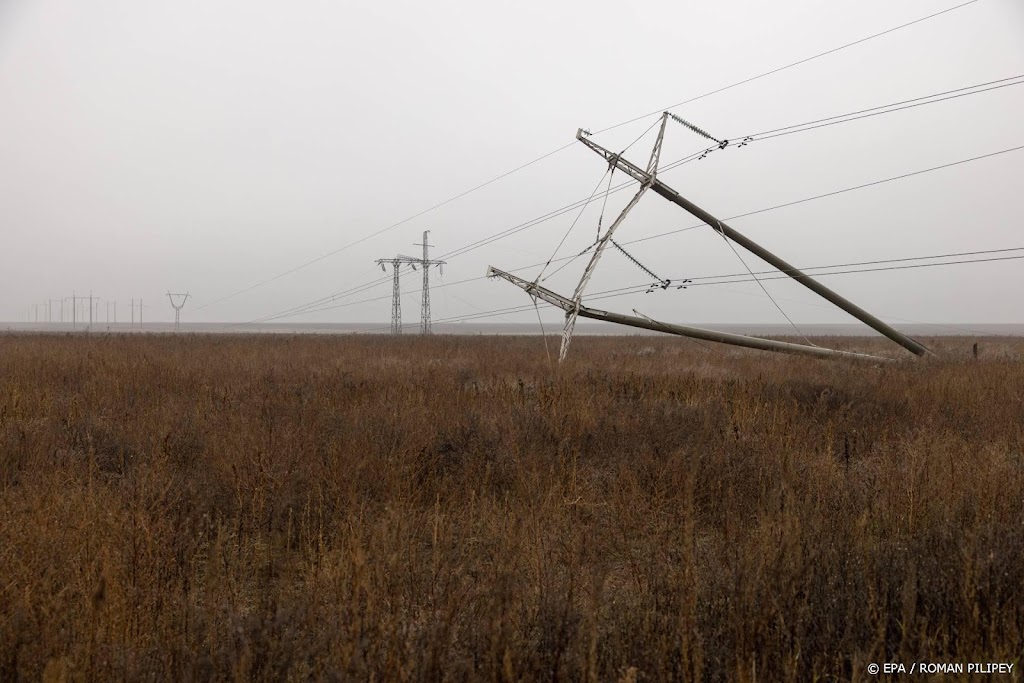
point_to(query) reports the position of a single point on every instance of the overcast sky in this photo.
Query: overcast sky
(210, 145)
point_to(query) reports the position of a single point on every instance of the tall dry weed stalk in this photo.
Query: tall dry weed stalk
(287, 508)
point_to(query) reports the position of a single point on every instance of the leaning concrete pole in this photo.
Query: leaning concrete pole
(821, 290)
(571, 305)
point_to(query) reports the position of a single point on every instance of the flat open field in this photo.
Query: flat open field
(451, 508)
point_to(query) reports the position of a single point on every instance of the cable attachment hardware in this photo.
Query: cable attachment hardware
(699, 131)
(663, 284)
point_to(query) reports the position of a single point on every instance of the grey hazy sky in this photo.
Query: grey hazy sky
(209, 145)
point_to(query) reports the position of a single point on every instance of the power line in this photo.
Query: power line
(890, 108)
(390, 227)
(956, 254)
(351, 291)
(570, 144)
(523, 226)
(680, 162)
(836, 192)
(764, 135)
(576, 220)
(760, 282)
(635, 289)
(461, 250)
(791, 65)
(894, 106)
(451, 254)
(626, 291)
(310, 307)
(891, 317)
(885, 180)
(795, 128)
(747, 277)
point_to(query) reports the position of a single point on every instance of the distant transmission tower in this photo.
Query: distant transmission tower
(396, 291)
(94, 306)
(74, 310)
(133, 312)
(177, 308)
(396, 295)
(426, 263)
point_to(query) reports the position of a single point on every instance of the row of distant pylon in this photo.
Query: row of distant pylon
(82, 309)
(396, 297)
(80, 304)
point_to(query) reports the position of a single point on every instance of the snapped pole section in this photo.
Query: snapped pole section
(567, 304)
(755, 248)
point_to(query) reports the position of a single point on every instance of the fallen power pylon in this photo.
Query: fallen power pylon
(570, 306)
(647, 177)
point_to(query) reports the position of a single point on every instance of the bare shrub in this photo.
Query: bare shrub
(286, 508)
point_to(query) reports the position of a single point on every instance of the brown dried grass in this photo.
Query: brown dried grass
(285, 508)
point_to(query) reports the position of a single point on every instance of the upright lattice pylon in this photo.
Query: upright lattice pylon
(178, 305)
(396, 264)
(396, 304)
(396, 290)
(425, 262)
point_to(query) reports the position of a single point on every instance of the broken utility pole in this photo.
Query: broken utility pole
(647, 177)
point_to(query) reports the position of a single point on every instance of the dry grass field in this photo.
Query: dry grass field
(451, 508)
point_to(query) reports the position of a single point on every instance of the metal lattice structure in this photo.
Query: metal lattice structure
(396, 291)
(396, 264)
(425, 263)
(178, 305)
(648, 179)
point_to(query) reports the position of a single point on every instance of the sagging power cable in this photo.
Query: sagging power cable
(311, 308)
(636, 289)
(764, 289)
(764, 135)
(571, 144)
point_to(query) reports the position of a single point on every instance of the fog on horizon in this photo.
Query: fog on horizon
(212, 146)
